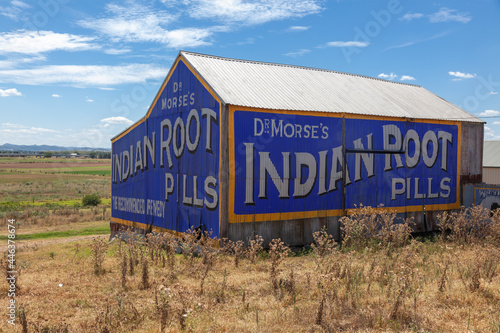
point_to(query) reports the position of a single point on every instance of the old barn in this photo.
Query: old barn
(247, 148)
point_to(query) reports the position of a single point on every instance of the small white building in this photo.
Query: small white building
(491, 162)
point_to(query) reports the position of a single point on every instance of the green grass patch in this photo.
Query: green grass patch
(68, 233)
(51, 160)
(54, 204)
(106, 172)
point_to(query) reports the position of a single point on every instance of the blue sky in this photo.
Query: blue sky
(76, 73)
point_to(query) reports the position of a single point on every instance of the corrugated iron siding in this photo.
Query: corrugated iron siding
(292, 232)
(491, 175)
(491, 156)
(284, 87)
(471, 166)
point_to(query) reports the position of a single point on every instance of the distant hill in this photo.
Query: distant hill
(39, 148)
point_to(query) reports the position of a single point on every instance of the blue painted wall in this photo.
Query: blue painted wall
(166, 169)
(286, 163)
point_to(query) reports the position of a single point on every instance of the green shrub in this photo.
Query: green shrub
(91, 200)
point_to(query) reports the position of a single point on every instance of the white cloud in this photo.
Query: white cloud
(25, 134)
(298, 53)
(117, 51)
(7, 129)
(97, 136)
(248, 41)
(494, 123)
(35, 42)
(189, 37)
(16, 61)
(15, 9)
(460, 75)
(490, 134)
(493, 92)
(56, 95)
(411, 16)
(252, 12)
(100, 134)
(89, 100)
(407, 78)
(490, 113)
(442, 34)
(139, 23)
(10, 125)
(449, 15)
(20, 4)
(42, 130)
(297, 28)
(8, 63)
(134, 22)
(347, 44)
(391, 76)
(117, 120)
(10, 92)
(75, 75)
(10, 12)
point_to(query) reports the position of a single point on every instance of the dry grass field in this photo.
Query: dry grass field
(380, 280)
(39, 180)
(88, 285)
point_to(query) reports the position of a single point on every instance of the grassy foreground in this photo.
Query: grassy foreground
(441, 285)
(379, 281)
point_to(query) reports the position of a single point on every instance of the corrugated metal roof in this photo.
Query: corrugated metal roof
(286, 87)
(491, 154)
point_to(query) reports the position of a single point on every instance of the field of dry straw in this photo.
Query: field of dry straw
(379, 280)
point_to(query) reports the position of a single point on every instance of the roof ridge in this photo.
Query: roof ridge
(296, 66)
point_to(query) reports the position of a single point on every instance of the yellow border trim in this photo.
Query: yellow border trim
(235, 218)
(180, 58)
(143, 226)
